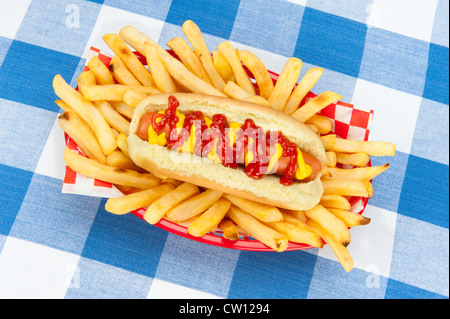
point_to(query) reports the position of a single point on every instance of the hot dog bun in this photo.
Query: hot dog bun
(203, 172)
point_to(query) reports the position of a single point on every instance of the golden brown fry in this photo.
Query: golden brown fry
(136, 200)
(304, 86)
(333, 225)
(242, 78)
(161, 76)
(297, 234)
(356, 159)
(323, 123)
(328, 141)
(234, 91)
(259, 71)
(88, 112)
(359, 173)
(122, 143)
(132, 97)
(229, 229)
(114, 119)
(195, 37)
(102, 74)
(331, 158)
(265, 213)
(123, 108)
(298, 214)
(135, 38)
(349, 218)
(82, 135)
(193, 206)
(185, 77)
(92, 168)
(347, 187)
(113, 92)
(121, 73)
(119, 47)
(339, 250)
(335, 201)
(86, 78)
(120, 160)
(159, 208)
(222, 66)
(285, 83)
(184, 52)
(258, 230)
(210, 219)
(315, 105)
(374, 148)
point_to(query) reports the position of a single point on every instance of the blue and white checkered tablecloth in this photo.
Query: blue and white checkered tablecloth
(389, 56)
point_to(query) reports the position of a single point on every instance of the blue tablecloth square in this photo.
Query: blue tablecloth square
(33, 69)
(154, 9)
(399, 290)
(212, 17)
(4, 47)
(430, 204)
(14, 185)
(437, 79)
(319, 43)
(257, 275)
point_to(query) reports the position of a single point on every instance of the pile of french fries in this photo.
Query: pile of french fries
(97, 117)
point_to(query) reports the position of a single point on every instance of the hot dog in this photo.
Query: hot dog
(236, 147)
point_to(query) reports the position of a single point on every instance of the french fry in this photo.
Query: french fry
(265, 213)
(195, 37)
(222, 66)
(328, 141)
(82, 135)
(347, 187)
(335, 201)
(229, 229)
(332, 225)
(88, 112)
(359, 173)
(315, 105)
(285, 83)
(313, 128)
(242, 78)
(119, 47)
(120, 72)
(184, 52)
(340, 251)
(136, 200)
(185, 77)
(122, 143)
(63, 106)
(210, 219)
(355, 159)
(120, 160)
(259, 71)
(113, 92)
(258, 230)
(86, 78)
(349, 218)
(123, 108)
(331, 158)
(374, 148)
(132, 97)
(304, 86)
(102, 74)
(298, 214)
(92, 168)
(297, 234)
(159, 208)
(234, 91)
(161, 76)
(323, 123)
(193, 206)
(135, 38)
(114, 119)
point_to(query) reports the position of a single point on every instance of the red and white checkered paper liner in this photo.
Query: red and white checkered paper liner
(348, 121)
